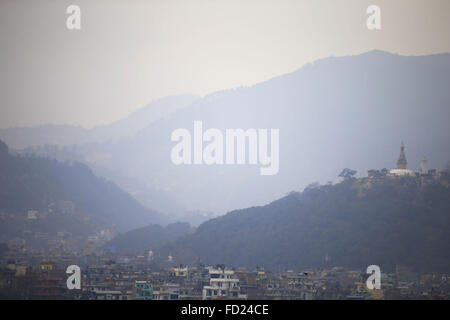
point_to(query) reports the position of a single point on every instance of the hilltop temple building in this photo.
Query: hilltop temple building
(402, 169)
(402, 164)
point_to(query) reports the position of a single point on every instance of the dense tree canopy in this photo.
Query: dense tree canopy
(356, 223)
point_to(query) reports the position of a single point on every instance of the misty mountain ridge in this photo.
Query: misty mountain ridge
(336, 112)
(68, 135)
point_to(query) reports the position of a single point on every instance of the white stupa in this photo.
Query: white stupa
(401, 165)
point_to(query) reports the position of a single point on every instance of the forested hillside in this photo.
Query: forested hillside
(355, 223)
(62, 197)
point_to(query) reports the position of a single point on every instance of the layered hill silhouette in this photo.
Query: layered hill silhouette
(68, 135)
(151, 237)
(336, 112)
(355, 223)
(46, 196)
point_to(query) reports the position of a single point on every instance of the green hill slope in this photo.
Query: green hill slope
(66, 197)
(148, 238)
(355, 223)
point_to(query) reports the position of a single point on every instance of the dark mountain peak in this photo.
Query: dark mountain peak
(377, 52)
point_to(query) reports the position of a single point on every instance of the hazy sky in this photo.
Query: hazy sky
(130, 52)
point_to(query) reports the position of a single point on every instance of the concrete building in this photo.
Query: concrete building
(223, 284)
(143, 290)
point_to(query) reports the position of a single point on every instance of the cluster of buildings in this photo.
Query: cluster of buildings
(115, 277)
(35, 229)
(64, 207)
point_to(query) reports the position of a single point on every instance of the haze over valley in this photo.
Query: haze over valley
(336, 112)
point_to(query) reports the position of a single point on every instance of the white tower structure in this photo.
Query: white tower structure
(424, 166)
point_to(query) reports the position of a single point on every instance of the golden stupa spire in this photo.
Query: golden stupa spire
(401, 162)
